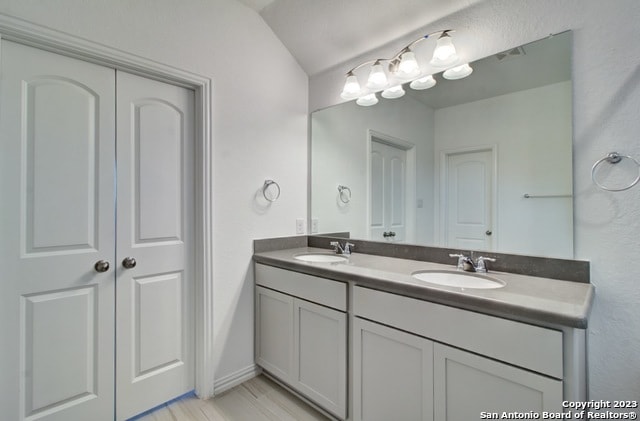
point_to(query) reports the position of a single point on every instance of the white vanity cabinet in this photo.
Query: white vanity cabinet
(488, 364)
(301, 334)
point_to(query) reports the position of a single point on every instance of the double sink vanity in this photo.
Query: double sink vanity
(397, 332)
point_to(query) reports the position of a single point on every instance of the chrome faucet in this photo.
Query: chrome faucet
(346, 250)
(467, 264)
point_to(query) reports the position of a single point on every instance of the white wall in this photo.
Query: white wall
(339, 151)
(259, 125)
(606, 100)
(532, 132)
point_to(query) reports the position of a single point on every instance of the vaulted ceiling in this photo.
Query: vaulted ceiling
(321, 34)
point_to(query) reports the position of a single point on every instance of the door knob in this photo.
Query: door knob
(129, 262)
(101, 266)
(488, 232)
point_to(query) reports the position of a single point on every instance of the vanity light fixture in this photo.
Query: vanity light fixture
(445, 53)
(367, 100)
(458, 72)
(402, 68)
(394, 92)
(408, 67)
(377, 77)
(351, 87)
(423, 83)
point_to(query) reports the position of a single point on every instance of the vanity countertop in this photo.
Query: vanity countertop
(523, 298)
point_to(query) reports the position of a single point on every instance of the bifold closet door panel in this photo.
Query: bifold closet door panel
(57, 153)
(155, 216)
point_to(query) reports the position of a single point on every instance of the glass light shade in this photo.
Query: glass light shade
(445, 53)
(458, 72)
(423, 83)
(367, 100)
(408, 67)
(394, 92)
(351, 88)
(377, 77)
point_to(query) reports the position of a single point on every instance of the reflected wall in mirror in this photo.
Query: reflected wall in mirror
(482, 163)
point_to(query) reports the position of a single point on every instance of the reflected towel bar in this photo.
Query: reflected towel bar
(535, 196)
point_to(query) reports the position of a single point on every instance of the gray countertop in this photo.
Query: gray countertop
(523, 298)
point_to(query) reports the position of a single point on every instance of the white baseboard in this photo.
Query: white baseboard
(229, 381)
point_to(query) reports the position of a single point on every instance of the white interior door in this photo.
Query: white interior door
(469, 200)
(58, 317)
(388, 190)
(57, 119)
(155, 215)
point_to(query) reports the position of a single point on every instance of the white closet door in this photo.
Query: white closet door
(388, 188)
(154, 311)
(56, 221)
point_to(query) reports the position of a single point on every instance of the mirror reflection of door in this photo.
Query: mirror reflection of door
(388, 186)
(469, 200)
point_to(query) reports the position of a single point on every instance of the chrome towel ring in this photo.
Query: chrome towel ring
(614, 158)
(267, 191)
(344, 193)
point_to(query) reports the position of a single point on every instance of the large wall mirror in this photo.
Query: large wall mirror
(481, 163)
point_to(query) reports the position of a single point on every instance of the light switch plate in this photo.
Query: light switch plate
(314, 225)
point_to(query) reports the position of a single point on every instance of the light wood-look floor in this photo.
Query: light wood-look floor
(255, 400)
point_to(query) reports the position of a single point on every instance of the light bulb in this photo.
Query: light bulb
(408, 67)
(423, 83)
(367, 100)
(351, 88)
(377, 77)
(394, 92)
(458, 72)
(445, 53)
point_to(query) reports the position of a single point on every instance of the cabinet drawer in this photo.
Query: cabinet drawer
(516, 343)
(311, 288)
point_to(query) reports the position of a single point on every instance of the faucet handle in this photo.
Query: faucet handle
(461, 260)
(335, 245)
(481, 266)
(348, 247)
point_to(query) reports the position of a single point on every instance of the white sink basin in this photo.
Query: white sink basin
(320, 258)
(459, 279)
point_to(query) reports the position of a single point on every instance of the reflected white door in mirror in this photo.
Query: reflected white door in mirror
(468, 199)
(388, 185)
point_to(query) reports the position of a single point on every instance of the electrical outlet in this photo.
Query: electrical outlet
(300, 226)
(314, 225)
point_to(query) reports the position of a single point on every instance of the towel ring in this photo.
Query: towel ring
(265, 187)
(614, 158)
(344, 193)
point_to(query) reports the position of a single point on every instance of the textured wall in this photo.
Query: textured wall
(606, 99)
(259, 125)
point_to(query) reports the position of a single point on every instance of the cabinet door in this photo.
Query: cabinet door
(466, 385)
(320, 355)
(274, 333)
(392, 374)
